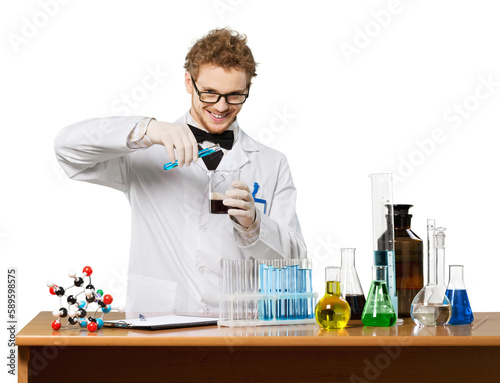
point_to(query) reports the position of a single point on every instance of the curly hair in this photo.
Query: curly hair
(224, 48)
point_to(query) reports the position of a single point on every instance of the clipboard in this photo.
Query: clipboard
(161, 322)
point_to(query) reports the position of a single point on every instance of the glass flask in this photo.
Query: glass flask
(409, 260)
(332, 311)
(461, 312)
(383, 230)
(350, 287)
(431, 306)
(379, 311)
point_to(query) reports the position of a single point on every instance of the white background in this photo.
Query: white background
(343, 89)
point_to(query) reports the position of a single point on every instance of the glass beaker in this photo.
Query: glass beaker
(379, 311)
(350, 288)
(461, 312)
(409, 260)
(431, 306)
(219, 183)
(383, 230)
(332, 311)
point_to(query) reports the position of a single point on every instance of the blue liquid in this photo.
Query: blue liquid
(288, 279)
(388, 258)
(461, 312)
(201, 153)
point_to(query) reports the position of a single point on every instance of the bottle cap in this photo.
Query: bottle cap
(402, 217)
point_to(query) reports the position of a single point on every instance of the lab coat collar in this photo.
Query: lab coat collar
(237, 157)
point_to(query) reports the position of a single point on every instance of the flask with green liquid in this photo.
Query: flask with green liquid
(332, 311)
(379, 311)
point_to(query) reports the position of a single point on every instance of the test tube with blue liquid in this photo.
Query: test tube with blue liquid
(283, 284)
(305, 283)
(283, 289)
(202, 153)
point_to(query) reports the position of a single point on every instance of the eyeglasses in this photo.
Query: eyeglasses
(213, 98)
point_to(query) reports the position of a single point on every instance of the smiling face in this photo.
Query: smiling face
(216, 118)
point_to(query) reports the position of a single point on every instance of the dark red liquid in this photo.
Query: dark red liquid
(357, 303)
(217, 207)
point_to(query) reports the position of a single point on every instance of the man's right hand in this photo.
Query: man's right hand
(174, 136)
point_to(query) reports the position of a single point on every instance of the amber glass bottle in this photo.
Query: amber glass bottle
(409, 260)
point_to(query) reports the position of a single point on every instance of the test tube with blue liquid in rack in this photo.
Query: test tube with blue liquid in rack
(282, 292)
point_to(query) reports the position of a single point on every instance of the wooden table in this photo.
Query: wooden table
(298, 353)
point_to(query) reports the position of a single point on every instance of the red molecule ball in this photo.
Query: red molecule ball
(87, 270)
(56, 325)
(108, 299)
(92, 326)
(52, 291)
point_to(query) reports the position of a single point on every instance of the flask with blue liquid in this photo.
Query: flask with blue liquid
(461, 312)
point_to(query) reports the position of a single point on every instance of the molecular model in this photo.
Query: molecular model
(77, 311)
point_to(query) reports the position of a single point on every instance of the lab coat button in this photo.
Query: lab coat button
(202, 270)
(204, 228)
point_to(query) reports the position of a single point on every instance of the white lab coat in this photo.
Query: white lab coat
(176, 244)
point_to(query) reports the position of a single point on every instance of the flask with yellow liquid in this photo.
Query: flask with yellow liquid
(332, 311)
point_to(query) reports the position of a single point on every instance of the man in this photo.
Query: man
(177, 245)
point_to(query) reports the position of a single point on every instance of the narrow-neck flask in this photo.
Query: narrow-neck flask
(409, 260)
(461, 312)
(350, 287)
(431, 306)
(379, 311)
(332, 311)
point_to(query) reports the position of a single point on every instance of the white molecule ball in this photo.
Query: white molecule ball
(72, 273)
(50, 283)
(56, 313)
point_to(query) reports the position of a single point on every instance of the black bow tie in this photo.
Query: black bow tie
(225, 139)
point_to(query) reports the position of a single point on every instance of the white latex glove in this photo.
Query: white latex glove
(241, 198)
(174, 136)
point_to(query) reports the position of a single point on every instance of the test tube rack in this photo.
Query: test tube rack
(267, 292)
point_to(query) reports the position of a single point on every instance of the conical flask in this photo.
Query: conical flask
(379, 311)
(461, 312)
(350, 287)
(431, 307)
(332, 311)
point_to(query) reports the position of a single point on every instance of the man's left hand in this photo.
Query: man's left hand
(242, 200)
